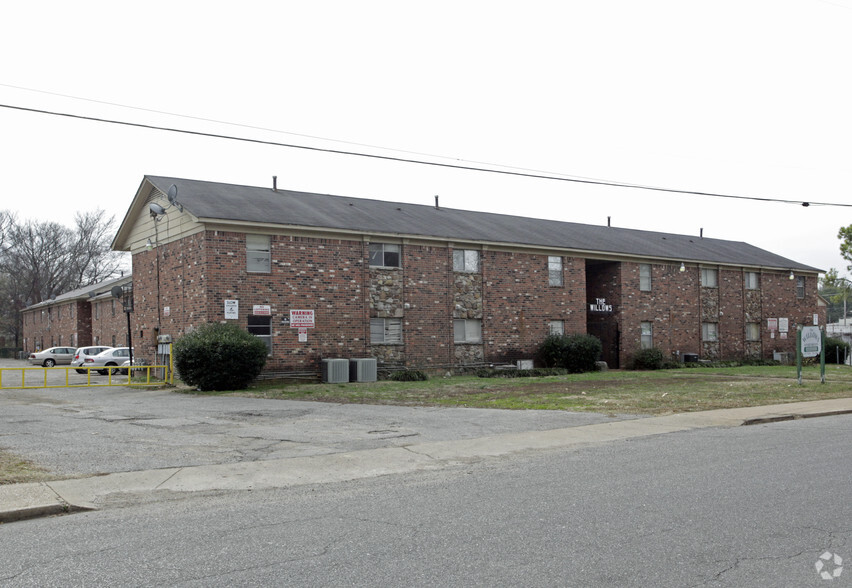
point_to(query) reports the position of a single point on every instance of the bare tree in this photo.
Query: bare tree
(40, 260)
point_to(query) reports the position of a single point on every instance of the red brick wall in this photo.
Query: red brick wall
(332, 277)
(64, 323)
(671, 307)
(519, 302)
(109, 322)
(427, 324)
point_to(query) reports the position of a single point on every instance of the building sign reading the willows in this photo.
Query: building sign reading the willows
(600, 305)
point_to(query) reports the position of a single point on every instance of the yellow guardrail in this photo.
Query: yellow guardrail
(49, 377)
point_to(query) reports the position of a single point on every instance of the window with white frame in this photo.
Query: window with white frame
(467, 331)
(261, 327)
(554, 270)
(800, 286)
(385, 331)
(709, 332)
(752, 281)
(752, 331)
(384, 255)
(709, 277)
(556, 327)
(465, 260)
(645, 277)
(647, 336)
(258, 254)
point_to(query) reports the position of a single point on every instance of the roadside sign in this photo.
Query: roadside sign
(811, 341)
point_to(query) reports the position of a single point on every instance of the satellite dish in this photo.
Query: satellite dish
(172, 194)
(156, 209)
(117, 291)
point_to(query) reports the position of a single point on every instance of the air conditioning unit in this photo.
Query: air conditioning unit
(335, 371)
(362, 369)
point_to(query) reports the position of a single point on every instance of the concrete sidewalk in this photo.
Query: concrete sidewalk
(23, 501)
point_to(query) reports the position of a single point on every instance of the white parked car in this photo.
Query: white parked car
(53, 356)
(82, 353)
(111, 358)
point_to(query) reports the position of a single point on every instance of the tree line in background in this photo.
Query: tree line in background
(40, 260)
(833, 287)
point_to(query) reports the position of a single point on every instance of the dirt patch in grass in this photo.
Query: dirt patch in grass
(14, 470)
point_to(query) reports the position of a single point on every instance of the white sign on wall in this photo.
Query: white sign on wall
(302, 318)
(783, 325)
(261, 310)
(232, 309)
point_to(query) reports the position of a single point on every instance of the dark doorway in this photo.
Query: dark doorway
(608, 333)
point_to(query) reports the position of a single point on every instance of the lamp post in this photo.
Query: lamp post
(125, 294)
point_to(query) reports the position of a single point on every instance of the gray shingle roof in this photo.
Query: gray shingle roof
(85, 292)
(212, 201)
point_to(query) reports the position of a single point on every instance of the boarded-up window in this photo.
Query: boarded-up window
(386, 331)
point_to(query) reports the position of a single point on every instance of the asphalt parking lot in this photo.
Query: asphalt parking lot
(82, 431)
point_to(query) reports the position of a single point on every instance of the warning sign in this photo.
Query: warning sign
(302, 318)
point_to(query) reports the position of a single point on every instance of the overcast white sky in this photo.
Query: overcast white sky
(740, 97)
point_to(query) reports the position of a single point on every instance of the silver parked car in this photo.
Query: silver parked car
(53, 356)
(82, 353)
(111, 358)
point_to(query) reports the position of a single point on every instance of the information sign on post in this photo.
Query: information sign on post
(810, 342)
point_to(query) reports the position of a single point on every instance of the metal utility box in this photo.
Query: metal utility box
(362, 369)
(335, 371)
(690, 358)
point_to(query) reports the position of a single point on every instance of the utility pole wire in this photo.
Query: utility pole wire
(418, 161)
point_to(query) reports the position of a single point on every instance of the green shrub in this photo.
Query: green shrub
(647, 359)
(409, 376)
(836, 350)
(219, 356)
(575, 353)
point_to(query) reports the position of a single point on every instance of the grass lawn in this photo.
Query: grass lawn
(611, 392)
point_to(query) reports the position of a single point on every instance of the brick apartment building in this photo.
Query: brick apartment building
(86, 316)
(433, 287)
(423, 286)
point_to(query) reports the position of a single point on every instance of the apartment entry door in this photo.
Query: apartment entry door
(607, 332)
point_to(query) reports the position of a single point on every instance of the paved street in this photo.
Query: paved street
(742, 506)
(78, 431)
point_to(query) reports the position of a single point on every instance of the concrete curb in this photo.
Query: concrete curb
(793, 417)
(25, 501)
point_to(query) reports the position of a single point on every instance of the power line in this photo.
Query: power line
(522, 174)
(307, 136)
